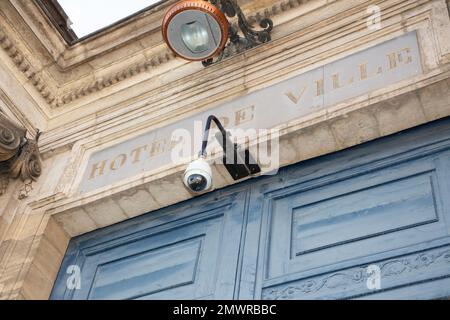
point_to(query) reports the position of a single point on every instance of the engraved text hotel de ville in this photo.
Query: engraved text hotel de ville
(377, 67)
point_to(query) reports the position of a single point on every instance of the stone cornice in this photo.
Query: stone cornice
(183, 80)
(184, 92)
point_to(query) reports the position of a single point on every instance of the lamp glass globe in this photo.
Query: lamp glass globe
(195, 36)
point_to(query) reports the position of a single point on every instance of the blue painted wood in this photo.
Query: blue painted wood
(374, 212)
(311, 232)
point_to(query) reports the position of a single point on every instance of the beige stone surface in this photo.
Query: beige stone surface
(354, 129)
(402, 112)
(76, 222)
(33, 262)
(169, 190)
(435, 100)
(305, 141)
(56, 236)
(315, 141)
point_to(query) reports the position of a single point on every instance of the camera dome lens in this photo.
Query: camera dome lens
(197, 182)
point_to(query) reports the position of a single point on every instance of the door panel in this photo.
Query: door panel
(192, 258)
(169, 269)
(311, 232)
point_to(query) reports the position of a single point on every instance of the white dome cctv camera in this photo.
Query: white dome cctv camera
(198, 176)
(240, 164)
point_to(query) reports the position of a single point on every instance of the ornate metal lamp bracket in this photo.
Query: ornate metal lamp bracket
(251, 37)
(19, 157)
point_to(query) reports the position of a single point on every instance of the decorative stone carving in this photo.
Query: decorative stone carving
(10, 138)
(25, 66)
(19, 157)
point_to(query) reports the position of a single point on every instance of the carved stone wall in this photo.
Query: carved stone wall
(124, 82)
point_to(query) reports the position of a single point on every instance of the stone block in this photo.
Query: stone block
(136, 202)
(435, 100)
(355, 128)
(36, 285)
(19, 251)
(169, 190)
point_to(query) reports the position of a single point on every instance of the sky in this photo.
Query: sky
(89, 16)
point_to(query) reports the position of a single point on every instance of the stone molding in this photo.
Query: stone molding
(421, 19)
(157, 66)
(21, 62)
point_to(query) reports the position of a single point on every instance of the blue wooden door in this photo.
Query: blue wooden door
(317, 230)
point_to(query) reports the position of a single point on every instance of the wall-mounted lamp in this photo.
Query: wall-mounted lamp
(19, 156)
(239, 163)
(198, 30)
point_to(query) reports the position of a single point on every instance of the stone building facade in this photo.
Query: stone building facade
(92, 97)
